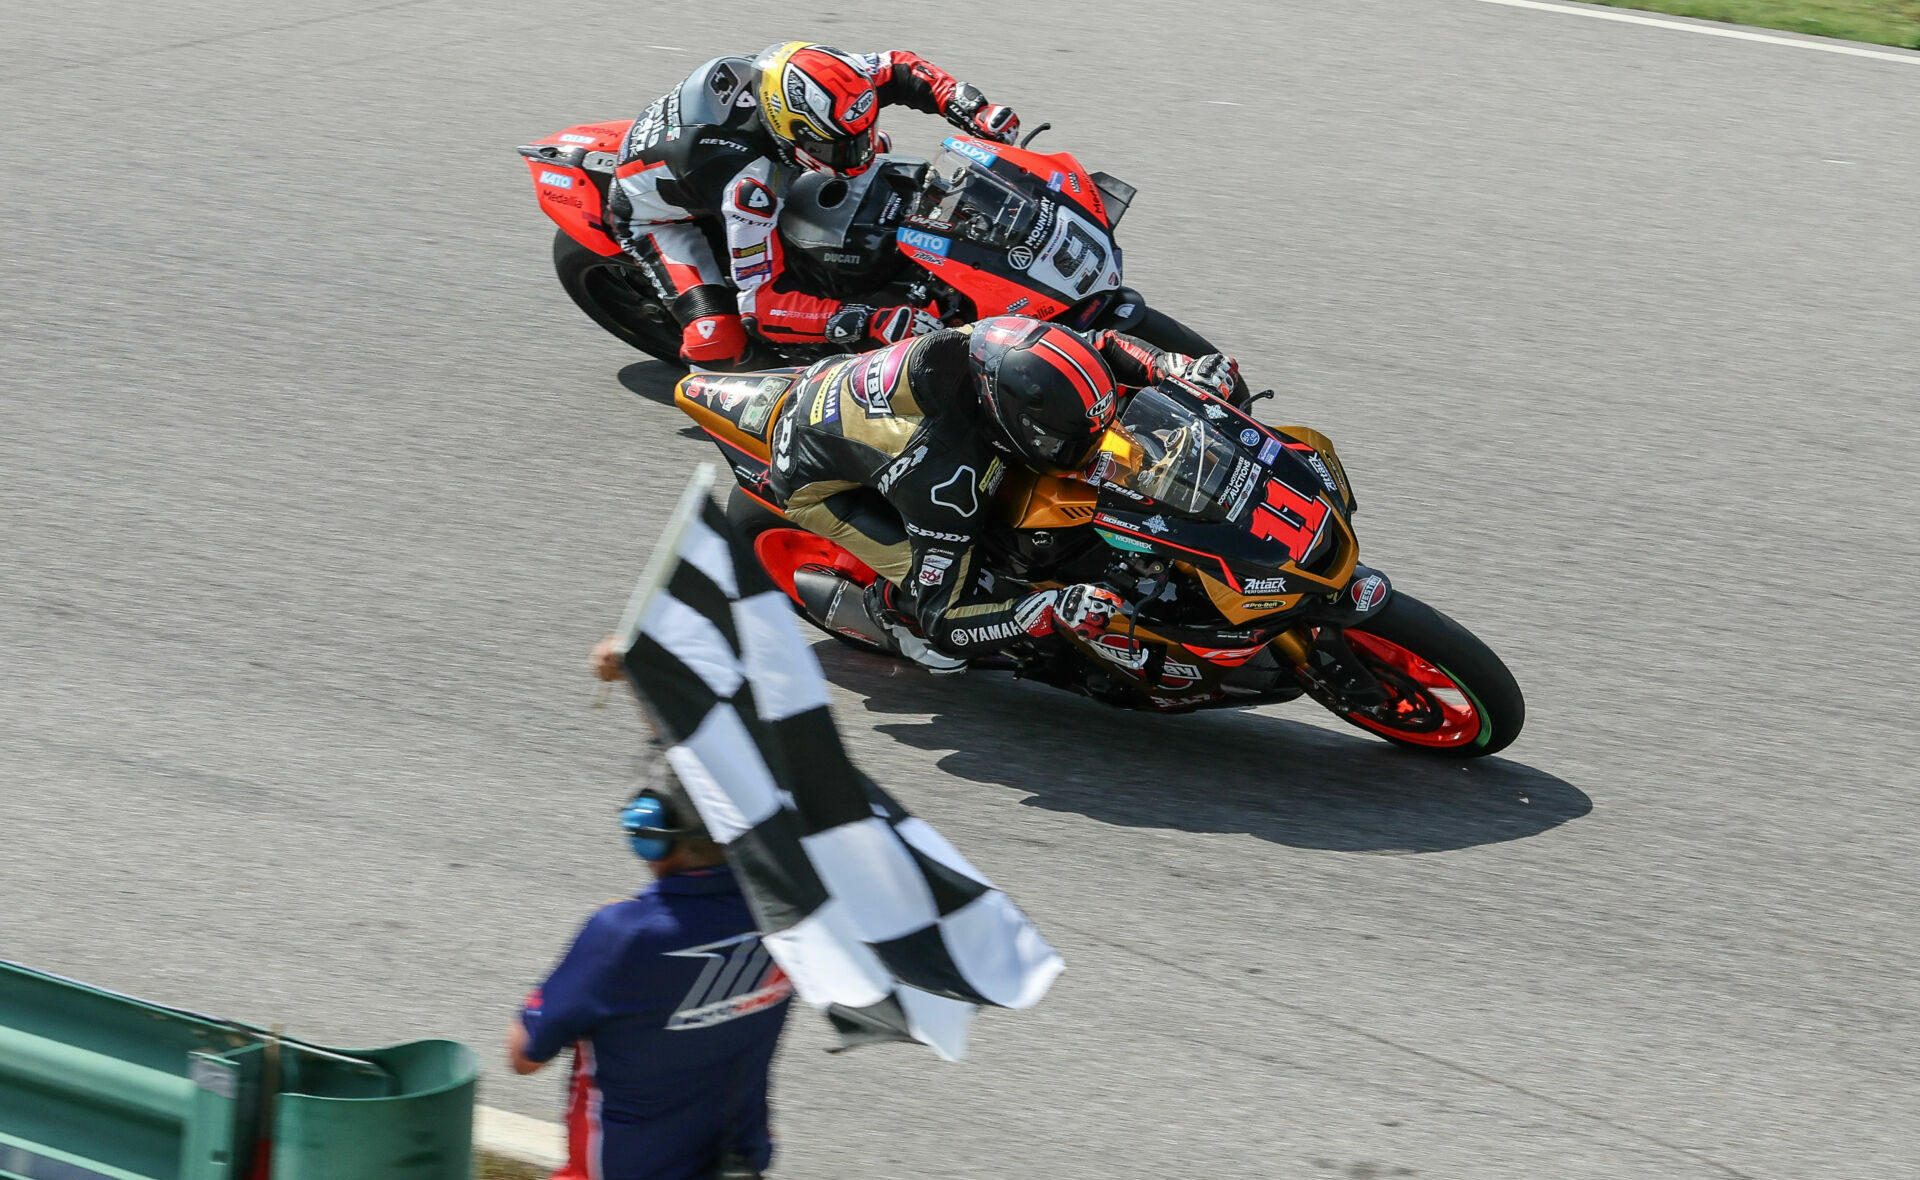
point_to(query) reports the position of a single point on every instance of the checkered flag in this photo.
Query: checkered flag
(871, 913)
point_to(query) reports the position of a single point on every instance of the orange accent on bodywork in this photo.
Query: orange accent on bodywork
(1030, 501)
(697, 394)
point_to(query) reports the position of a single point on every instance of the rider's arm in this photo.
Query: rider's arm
(1132, 359)
(904, 78)
(780, 311)
(1135, 362)
(957, 604)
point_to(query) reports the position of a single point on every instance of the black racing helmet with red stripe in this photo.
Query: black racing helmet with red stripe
(1049, 391)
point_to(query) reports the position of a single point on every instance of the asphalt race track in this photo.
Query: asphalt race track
(315, 490)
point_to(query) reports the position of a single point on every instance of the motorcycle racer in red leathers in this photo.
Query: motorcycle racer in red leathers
(705, 168)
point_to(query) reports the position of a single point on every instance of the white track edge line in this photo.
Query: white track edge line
(1736, 34)
(517, 1137)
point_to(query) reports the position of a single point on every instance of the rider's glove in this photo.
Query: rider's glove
(854, 322)
(894, 324)
(969, 110)
(1214, 372)
(1086, 609)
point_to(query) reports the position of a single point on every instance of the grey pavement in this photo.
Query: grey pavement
(315, 490)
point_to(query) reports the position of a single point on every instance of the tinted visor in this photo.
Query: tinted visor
(849, 157)
(1064, 452)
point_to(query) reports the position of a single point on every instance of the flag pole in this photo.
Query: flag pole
(698, 489)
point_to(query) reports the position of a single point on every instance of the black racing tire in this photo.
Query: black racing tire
(1162, 331)
(1415, 627)
(615, 294)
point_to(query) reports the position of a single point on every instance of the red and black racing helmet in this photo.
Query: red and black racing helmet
(1045, 386)
(821, 106)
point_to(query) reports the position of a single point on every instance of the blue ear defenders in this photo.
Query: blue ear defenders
(652, 828)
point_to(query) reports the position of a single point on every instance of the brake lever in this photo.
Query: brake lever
(1037, 130)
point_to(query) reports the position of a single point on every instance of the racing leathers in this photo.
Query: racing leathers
(888, 455)
(697, 192)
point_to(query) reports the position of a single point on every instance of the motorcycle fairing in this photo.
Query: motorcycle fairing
(1063, 174)
(1015, 231)
(738, 411)
(570, 170)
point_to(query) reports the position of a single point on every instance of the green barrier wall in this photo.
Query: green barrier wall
(99, 1086)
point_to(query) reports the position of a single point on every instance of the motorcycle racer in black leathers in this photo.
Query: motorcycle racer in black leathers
(895, 454)
(718, 152)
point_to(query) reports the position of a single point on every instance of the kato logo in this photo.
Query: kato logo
(978, 153)
(556, 179)
(921, 240)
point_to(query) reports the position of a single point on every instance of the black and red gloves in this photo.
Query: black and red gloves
(1215, 372)
(855, 322)
(969, 110)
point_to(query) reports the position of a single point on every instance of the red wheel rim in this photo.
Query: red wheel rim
(1435, 690)
(783, 551)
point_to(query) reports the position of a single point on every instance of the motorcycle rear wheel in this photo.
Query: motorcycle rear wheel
(617, 296)
(1451, 695)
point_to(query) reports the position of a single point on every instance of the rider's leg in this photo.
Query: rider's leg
(860, 520)
(678, 259)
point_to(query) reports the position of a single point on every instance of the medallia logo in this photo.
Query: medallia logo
(921, 240)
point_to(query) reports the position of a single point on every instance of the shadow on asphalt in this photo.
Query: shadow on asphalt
(1219, 771)
(653, 380)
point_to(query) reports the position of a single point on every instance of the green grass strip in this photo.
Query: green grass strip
(1882, 22)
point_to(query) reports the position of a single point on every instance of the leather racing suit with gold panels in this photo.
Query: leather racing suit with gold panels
(888, 455)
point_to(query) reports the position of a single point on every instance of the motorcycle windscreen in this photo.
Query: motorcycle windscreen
(972, 202)
(1166, 452)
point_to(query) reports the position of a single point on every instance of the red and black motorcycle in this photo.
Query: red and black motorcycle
(1232, 542)
(986, 229)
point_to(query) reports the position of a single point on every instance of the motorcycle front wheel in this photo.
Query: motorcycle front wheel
(617, 296)
(1448, 693)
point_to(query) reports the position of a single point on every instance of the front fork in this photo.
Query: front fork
(1317, 646)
